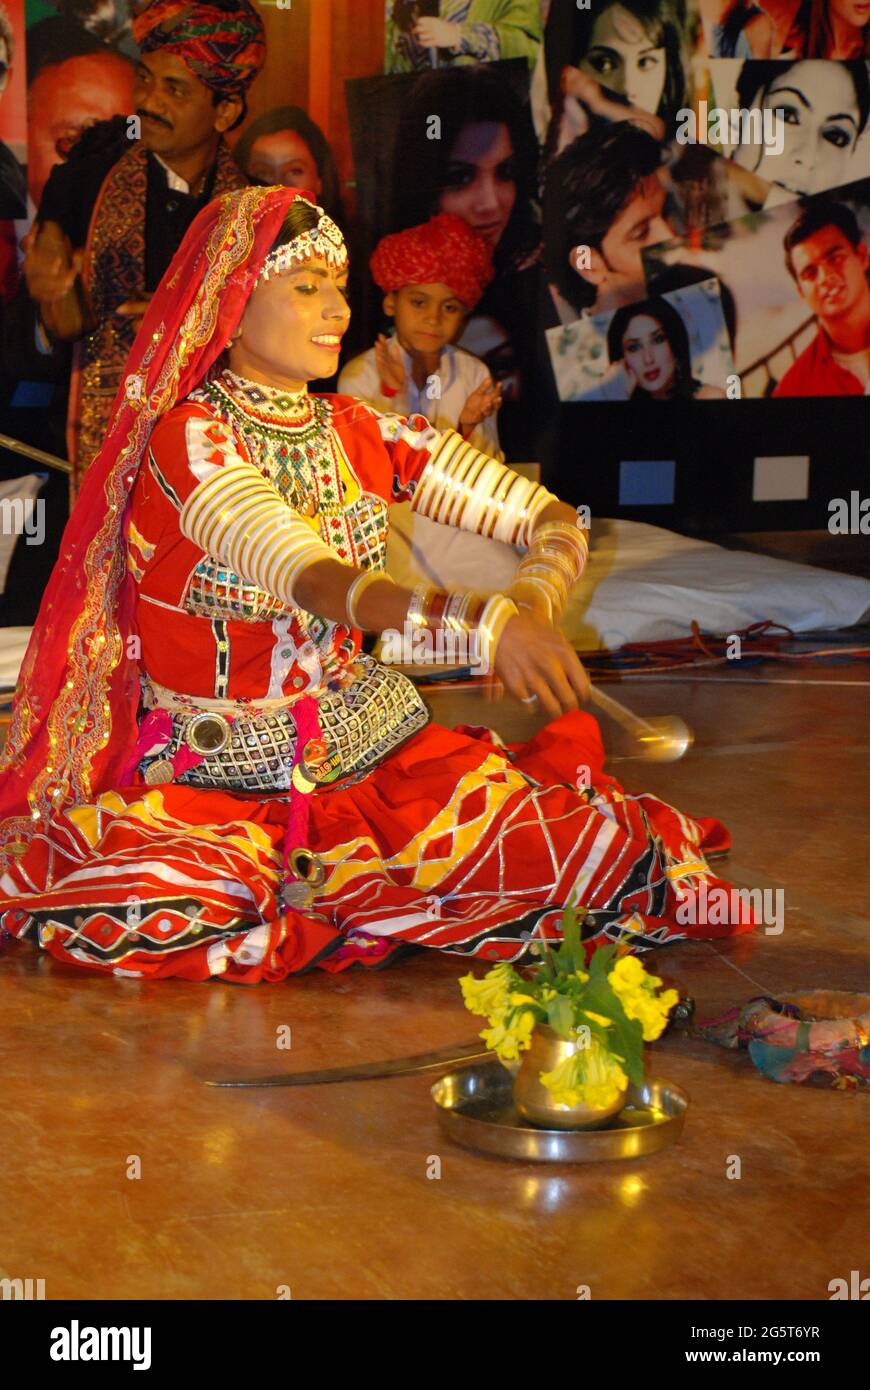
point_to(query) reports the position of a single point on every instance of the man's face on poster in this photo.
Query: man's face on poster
(64, 99)
(831, 273)
(4, 65)
(618, 267)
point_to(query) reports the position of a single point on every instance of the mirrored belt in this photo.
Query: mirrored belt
(360, 724)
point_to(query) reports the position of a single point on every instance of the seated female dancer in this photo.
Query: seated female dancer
(204, 777)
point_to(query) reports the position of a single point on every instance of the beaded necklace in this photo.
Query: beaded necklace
(291, 440)
(284, 433)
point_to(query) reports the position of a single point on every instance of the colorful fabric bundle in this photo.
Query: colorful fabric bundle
(825, 1033)
(224, 45)
(442, 251)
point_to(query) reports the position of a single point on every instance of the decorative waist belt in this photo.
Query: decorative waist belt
(360, 725)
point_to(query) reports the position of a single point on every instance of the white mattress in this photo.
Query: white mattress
(642, 584)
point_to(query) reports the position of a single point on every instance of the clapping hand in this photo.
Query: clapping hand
(389, 363)
(484, 400)
(135, 309)
(50, 264)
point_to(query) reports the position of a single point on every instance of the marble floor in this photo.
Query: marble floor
(325, 1191)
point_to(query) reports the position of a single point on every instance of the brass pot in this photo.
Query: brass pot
(536, 1104)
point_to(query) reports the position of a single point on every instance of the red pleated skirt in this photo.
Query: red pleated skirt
(456, 842)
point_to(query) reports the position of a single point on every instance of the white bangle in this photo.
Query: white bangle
(357, 588)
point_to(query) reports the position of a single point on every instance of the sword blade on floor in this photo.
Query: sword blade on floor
(369, 1071)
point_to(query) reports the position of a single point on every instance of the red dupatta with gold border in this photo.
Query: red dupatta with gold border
(74, 717)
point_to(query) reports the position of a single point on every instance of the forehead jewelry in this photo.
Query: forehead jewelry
(324, 240)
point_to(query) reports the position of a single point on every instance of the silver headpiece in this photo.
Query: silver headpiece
(324, 240)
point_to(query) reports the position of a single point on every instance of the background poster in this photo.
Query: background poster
(773, 322)
(687, 357)
(457, 140)
(80, 58)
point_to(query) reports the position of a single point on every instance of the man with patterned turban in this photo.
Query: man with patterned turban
(112, 217)
(432, 277)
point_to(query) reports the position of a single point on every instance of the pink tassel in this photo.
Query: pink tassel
(185, 758)
(307, 727)
(155, 732)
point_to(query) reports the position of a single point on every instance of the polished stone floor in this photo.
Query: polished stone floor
(326, 1191)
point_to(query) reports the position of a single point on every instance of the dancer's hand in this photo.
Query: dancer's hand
(533, 658)
(389, 363)
(530, 598)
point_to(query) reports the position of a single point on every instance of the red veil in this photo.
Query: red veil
(76, 703)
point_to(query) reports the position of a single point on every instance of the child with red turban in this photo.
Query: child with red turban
(432, 277)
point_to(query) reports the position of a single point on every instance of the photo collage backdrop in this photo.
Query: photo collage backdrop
(637, 239)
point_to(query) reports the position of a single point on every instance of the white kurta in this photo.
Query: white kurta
(457, 375)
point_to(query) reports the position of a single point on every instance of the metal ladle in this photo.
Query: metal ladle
(663, 739)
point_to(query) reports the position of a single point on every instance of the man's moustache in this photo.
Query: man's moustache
(151, 117)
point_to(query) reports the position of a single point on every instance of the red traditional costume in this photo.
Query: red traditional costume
(166, 699)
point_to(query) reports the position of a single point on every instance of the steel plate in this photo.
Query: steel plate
(475, 1108)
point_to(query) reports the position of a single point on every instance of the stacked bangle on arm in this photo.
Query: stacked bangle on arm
(463, 610)
(464, 488)
(239, 518)
(553, 564)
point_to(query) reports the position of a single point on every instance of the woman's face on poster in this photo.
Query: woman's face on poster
(284, 157)
(624, 59)
(820, 127)
(480, 183)
(647, 354)
(854, 12)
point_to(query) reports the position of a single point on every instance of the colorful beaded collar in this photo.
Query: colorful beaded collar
(268, 405)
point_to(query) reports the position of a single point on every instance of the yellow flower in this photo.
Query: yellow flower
(489, 996)
(653, 1013)
(590, 1076)
(507, 1041)
(628, 974)
(636, 990)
